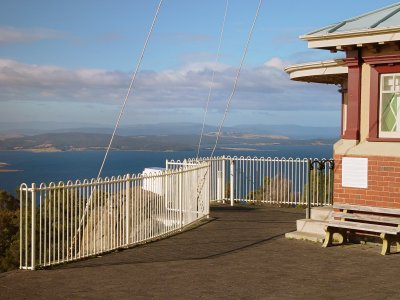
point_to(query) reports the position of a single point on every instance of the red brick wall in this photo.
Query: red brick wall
(383, 183)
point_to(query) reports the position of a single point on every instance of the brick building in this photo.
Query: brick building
(367, 156)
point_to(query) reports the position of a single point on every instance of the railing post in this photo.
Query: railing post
(33, 227)
(331, 178)
(180, 197)
(232, 177)
(127, 204)
(20, 227)
(223, 178)
(219, 185)
(308, 209)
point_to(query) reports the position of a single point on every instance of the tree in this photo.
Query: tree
(9, 237)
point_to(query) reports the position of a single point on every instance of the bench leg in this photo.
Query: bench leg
(328, 237)
(387, 240)
(329, 232)
(343, 233)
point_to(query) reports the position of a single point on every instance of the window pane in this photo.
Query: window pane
(389, 112)
(388, 83)
(397, 83)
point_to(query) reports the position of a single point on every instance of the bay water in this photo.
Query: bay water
(29, 167)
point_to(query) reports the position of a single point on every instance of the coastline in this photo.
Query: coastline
(3, 170)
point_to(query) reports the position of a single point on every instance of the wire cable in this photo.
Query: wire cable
(130, 87)
(212, 77)
(237, 78)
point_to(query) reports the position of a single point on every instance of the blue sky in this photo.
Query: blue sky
(70, 61)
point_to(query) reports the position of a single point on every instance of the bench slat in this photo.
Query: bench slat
(371, 209)
(366, 217)
(364, 227)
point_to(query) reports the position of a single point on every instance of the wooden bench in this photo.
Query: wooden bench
(384, 222)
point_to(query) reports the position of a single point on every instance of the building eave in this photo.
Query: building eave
(361, 37)
(329, 72)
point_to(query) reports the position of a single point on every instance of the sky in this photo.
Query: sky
(70, 62)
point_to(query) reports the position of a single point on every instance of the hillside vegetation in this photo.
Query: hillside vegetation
(9, 237)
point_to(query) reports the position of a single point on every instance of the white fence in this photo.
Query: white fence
(65, 222)
(274, 181)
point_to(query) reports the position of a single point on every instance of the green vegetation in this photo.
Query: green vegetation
(321, 187)
(9, 237)
(275, 190)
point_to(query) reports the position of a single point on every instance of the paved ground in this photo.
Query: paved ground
(240, 253)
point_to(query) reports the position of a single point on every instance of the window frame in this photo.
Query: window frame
(381, 133)
(375, 103)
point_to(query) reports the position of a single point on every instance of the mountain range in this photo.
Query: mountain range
(290, 131)
(161, 137)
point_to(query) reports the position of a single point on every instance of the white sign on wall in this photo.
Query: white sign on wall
(355, 172)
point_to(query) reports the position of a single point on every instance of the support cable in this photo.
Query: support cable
(233, 89)
(212, 77)
(237, 78)
(130, 87)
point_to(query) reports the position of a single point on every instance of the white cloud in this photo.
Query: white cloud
(265, 87)
(18, 35)
(277, 63)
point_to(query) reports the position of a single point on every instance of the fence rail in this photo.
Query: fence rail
(65, 222)
(68, 221)
(274, 181)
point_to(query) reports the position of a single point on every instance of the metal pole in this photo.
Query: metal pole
(331, 179)
(20, 226)
(223, 178)
(308, 209)
(33, 228)
(128, 199)
(180, 197)
(232, 183)
(219, 186)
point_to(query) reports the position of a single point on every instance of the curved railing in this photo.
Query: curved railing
(268, 180)
(68, 221)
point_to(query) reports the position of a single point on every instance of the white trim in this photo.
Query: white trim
(317, 69)
(388, 34)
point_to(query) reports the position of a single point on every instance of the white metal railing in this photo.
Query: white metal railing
(275, 181)
(65, 222)
(69, 221)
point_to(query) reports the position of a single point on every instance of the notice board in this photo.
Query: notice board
(355, 172)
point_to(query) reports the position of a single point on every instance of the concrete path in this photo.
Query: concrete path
(240, 253)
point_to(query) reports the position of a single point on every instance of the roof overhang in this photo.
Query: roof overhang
(329, 72)
(353, 38)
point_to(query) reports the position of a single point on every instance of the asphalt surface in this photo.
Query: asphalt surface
(239, 253)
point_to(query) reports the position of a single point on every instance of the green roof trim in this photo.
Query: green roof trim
(386, 17)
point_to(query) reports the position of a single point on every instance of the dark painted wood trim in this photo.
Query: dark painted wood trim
(344, 105)
(390, 140)
(374, 105)
(353, 62)
(373, 135)
(382, 59)
(341, 117)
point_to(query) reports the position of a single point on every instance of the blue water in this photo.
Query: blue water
(63, 166)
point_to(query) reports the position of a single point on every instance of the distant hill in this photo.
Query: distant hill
(79, 141)
(183, 128)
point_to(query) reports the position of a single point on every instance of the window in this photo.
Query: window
(384, 98)
(389, 106)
